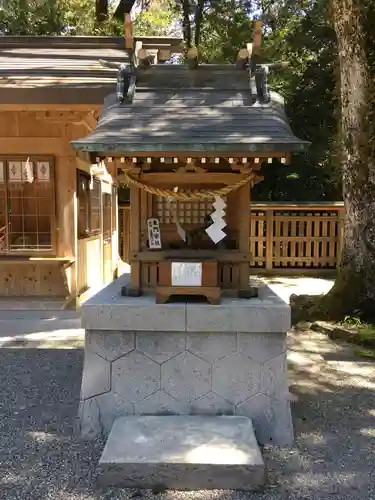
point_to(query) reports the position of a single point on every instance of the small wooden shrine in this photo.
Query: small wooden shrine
(189, 140)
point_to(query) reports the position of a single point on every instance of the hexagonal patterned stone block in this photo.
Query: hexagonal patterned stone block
(235, 378)
(112, 406)
(273, 378)
(186, 377)
(262, 346)
(135, 376)
(96, 376)
(89, 419)
(272, 420)
(211, 404)
(160, 403)
(160, 346)
(111, 344)
(211, 346)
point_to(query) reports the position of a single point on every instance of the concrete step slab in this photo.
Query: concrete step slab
(32, 304)
(182, 453)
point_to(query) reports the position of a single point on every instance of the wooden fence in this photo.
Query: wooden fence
(298, 237)
(284, 237)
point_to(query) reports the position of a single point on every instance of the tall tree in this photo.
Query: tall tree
(354, 289)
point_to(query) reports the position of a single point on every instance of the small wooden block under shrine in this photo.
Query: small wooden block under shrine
(188, 278)
(164, 293)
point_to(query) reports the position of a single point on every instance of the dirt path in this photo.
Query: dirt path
(40, 459)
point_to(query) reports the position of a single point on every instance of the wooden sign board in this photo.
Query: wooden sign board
(186, 274)
(154, 238)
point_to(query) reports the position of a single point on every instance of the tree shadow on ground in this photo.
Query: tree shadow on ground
(41, 456)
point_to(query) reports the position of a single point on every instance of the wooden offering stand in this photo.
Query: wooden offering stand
(204, 274)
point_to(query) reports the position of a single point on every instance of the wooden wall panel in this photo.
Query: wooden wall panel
(107, 262)
(31, 126)
(33, 280)
(9, 124)
(89, 269)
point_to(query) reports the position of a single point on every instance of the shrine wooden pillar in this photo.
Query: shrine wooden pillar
(135, 236)
(243, 210)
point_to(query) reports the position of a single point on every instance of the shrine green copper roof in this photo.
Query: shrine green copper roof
(208, 110)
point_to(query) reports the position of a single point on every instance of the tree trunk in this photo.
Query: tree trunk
(123, 7)
(186, 24)
(354, 289)
(101, 10)
(198, 22)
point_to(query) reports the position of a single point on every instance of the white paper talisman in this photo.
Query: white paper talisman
(27, 171)
(181, 231)
(215, 231)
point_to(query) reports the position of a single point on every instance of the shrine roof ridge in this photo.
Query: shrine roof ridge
(206, 76)
(79, 42)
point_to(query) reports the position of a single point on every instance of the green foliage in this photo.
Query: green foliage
(53, 17)
(219, 27)
(298, 31)
(158, 20)
(301, 33)
(226, 28)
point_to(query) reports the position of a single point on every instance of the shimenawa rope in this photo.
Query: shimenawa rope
(176, 194)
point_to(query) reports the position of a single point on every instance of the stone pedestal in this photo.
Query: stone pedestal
(182, 452)
(186, 359)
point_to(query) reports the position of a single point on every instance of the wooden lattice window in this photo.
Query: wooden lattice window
(89, 205)
(186, 212)
(27, 205)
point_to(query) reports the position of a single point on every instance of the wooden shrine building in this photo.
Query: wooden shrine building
(190, 140)
(58, 209)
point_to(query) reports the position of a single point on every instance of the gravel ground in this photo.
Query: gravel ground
(42, 459)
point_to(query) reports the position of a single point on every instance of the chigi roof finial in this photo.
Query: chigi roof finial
(261, 79)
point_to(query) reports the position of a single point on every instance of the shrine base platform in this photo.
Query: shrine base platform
(143, 358)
